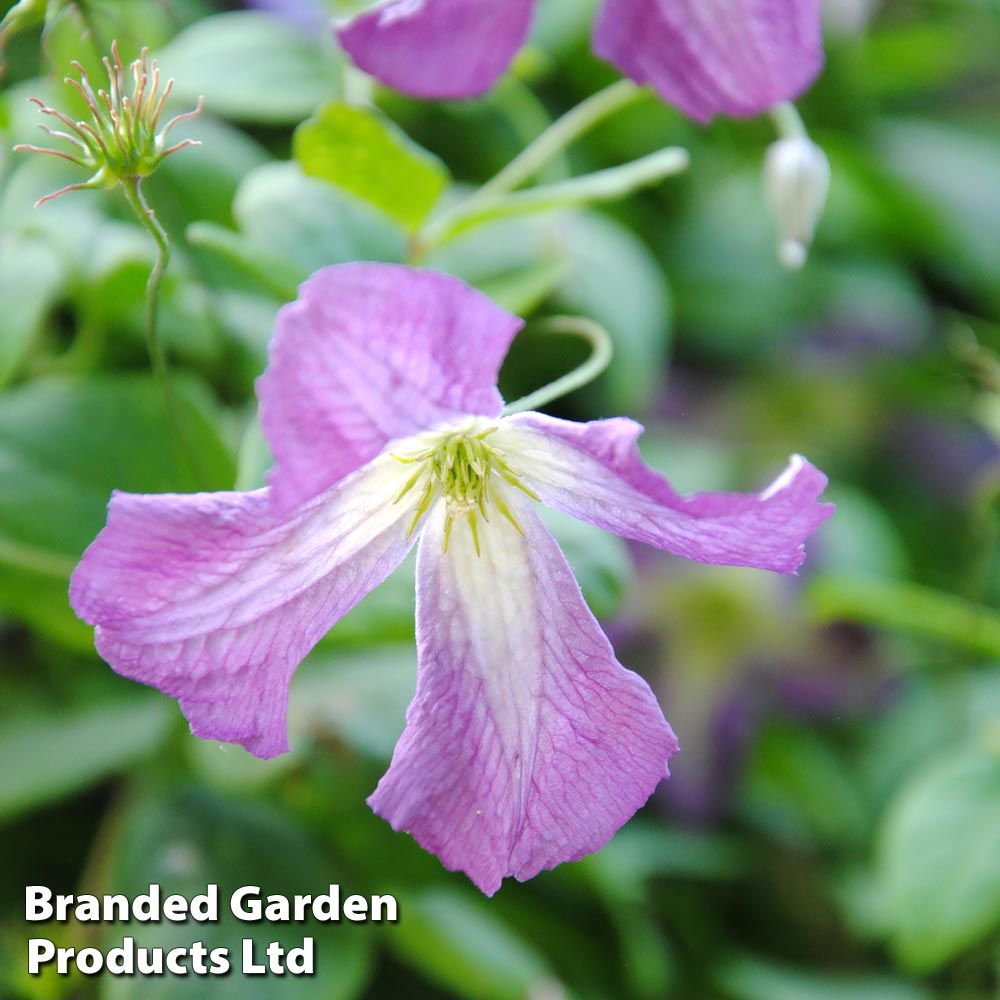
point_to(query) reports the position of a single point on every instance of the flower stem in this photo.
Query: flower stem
(600, 358)
(559, 135)
(35, 560)
(546, 147)
(602, 185)
(788, 122)
(157, 356)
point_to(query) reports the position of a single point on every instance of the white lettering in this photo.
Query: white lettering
(356, 908)
(300, 961)
(250, 968)
(36, 903)
(40, 952)
(384, 908)
(89, 961)
(147, 907)
(206, 908)
(174, 963)
(249, 894)
(327, 905)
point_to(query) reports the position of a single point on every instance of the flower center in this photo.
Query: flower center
(461, 467)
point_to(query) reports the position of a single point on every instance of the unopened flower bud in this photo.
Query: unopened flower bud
(120, 142)
(797, 174)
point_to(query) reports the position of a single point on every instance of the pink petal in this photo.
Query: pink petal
(213, 600)
(527, 743)
(594, 472)
(438, 48)
(369, 353)
(710, 57)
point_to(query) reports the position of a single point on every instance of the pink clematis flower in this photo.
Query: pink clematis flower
(707, 57)
(527, 743)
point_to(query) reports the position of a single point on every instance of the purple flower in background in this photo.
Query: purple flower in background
(708, 57)
(309, 15)
(527, 743)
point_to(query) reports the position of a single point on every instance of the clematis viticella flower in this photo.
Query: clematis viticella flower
(527, 743)
(730, 57)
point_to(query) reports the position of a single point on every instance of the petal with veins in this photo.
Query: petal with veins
(527, 743)
(369, 353)
(710, 57)
(212, 599)
(594, 472)
(438, 48)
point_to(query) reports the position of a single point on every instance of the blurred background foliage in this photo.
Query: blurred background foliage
(832, 827)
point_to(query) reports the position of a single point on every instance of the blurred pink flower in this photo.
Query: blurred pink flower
(527, 743)
(707, 57)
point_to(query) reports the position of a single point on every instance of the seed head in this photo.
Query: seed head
(120, 142)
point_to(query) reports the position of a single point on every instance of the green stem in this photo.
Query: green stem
(602, 185)
(596, 364)
(157, 356)
(909, 608)
(558, 136)
(550, 144)
(788, 122)
(35, 560)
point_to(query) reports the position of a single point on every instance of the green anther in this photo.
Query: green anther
(462, 469)
(505, 510)
(475, 532)
(514, 481)
(425, 501)
(411, 482)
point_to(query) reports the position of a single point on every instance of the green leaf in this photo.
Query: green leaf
(466, 949)
(308, 224)
(45, 757)
(613, 278)
(517, 262)
(251, 67)
(384, 615)
(361, 151)
(600, 560)
(951, 170)
(184, 840)
(65, 444)
(749, 978)
(243, 264)
(359, 695)
(799, 788)
(642, 851)
(862, 540)
(940, 860)
(200, 183)
(906, 607)
(932, 712)
(31, 276)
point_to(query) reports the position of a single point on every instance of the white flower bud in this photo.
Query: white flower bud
(797, 174)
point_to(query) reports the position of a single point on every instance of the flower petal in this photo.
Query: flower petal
(213, 600)
(369, 353)
(594, 472)
(709, 57)
(527, 743)
(438, 48)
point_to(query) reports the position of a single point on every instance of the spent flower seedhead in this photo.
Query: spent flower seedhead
(120, 143)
